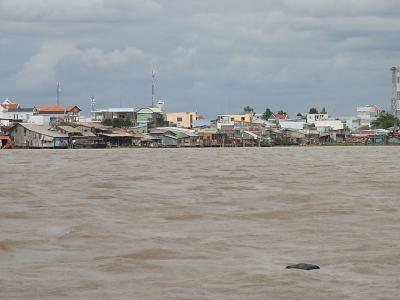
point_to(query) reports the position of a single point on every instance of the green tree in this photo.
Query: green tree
(248, 110)
(385, 120)
(107, 122)
(323, 111)
(282, 112)
(313, 110)
(127, 122)
(117, 122)
(267, 114)
(299, 115)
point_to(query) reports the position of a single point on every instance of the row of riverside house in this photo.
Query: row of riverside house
(57, 126)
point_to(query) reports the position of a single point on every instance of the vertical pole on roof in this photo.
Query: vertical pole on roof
(58, 93)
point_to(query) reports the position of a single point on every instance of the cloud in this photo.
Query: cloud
(95, 57)
(342, 7)
(78, 10)
(221, 55)
(40, 69)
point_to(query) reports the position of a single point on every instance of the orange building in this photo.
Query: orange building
(182, 119)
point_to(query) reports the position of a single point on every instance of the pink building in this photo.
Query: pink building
(182, 119)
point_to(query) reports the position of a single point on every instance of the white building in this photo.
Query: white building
(11, 112)
(112, 113)
(312, 118)
(292, 124)
(352, 123)
(331, 123)
(367, 114)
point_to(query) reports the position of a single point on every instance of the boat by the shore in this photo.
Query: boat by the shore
(89, 144)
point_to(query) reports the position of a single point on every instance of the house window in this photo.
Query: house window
(232, 119)
(243, 118)
(179, 119)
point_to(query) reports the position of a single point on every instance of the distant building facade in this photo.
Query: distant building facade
(246, 118)
(312, 118)
(330, 124)
(150, 116)
(182, 119)
(11, 113)
(351, 123)
(113, 113)
(367, 114)
(45, 114)
(37, 136)
(292, 124)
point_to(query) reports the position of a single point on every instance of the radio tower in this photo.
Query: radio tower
(92, 106)
(58, 93)
(396, 94)
(153, 75)
(396, 91)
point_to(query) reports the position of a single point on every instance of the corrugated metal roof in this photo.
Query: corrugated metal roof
(255, 136)
(43, 129)
(180, 133)
(187, 132)
(95, 125)
(120, 134)
(69, 129)
(207, 131)
(151, 109)
(160, 130)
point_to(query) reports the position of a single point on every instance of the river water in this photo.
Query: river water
(200, 223)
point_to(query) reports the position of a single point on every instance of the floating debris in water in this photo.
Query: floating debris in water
(303, 267)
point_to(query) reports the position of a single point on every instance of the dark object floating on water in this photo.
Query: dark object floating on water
(303, 267)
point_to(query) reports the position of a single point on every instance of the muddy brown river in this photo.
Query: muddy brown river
(200, 223)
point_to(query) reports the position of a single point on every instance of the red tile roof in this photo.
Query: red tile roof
(280, 116)
(72, 107)
(55, 107)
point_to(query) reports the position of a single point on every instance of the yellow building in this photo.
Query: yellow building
(182, 119)
(246, 118)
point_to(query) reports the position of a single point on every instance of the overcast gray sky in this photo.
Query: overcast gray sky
(212, 56)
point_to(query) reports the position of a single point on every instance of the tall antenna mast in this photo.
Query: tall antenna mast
(58, 93)
(153, 75)
(93, 106)
(394, 90)
(395, 93)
